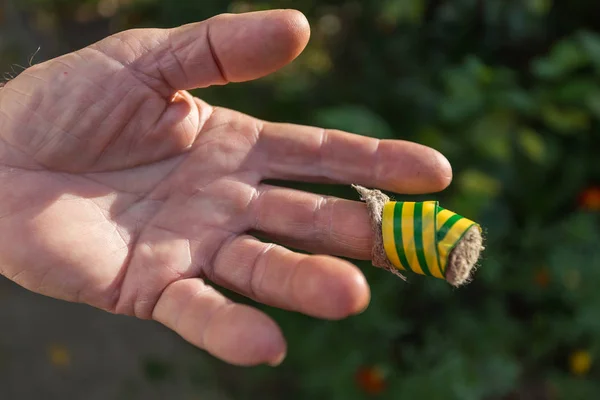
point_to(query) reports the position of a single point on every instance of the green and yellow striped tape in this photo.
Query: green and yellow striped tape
(419, 236)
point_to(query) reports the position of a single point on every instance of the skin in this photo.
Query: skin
(124, 192)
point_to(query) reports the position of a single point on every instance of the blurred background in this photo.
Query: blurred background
(508, 90)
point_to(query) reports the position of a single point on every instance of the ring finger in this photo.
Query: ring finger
(314, 223)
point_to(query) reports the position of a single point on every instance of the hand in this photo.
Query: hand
(120, 190)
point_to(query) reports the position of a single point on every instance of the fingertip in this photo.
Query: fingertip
(245, 336)
(443, 171)
(292, 30)
(420, 170)
(252, 45)
(362, 302)
(298, 28)
(277, 361)
(359, 293)
(331, 288)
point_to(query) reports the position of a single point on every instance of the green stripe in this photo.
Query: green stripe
(441, 234)
(460, 238)
(398, 235)
(437, 248)
(418, 234)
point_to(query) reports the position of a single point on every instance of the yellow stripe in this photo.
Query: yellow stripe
(443, 216)
(408, 240)
(387, 229)
(446, 245)
(429, 238)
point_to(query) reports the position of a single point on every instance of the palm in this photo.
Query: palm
(126, 193)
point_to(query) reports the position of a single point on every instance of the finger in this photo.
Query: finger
(234, 333)
(319, 286)
(320, 155)
(225, 48)
(315, 223)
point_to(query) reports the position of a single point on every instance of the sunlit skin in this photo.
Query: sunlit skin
(120, 190)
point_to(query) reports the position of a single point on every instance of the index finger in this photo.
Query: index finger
(296, 152)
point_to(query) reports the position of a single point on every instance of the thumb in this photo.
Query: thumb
(225, 48)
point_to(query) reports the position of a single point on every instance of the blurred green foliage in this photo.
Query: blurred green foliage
(509, 91)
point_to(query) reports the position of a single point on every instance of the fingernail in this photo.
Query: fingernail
(277, 362)
(365, 308)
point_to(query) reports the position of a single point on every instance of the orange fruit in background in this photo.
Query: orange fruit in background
(589, 199)
(371, 380)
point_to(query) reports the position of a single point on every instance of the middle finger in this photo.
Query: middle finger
(306, 153)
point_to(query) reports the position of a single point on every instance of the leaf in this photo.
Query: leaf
(491, 135)
(565, 120)
(539, 7)
(435, 138)
(482, 73)
(464, 90)
(591, 44)
(575, 91)
(356, 119)
(593, 103)
(566, 56)
(475, 181)
(411, 11)
(317, 60)
(532, 144)
(515, 99)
